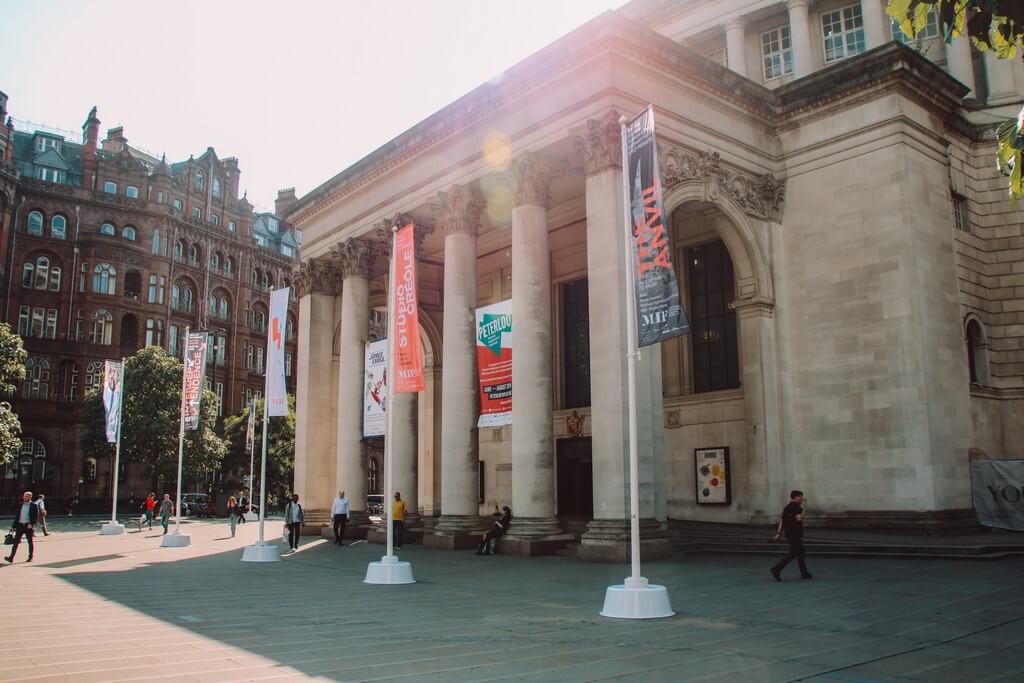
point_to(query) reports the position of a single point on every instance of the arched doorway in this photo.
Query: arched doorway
(129, 335)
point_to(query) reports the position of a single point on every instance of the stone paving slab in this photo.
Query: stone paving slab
(96, 608)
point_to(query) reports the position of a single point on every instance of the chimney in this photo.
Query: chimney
(284, 202)
(231, 168)
(116, 141)
(90, 134)
(3, 105)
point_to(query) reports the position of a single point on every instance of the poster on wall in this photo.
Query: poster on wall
(712, 465)
(997, 490)
(375, 387)
(494, 363)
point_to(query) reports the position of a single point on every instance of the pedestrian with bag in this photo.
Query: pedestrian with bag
(339, 515)
(293, 518)
(26, 514)
(234, 512)
(166, 510)
(792, 524)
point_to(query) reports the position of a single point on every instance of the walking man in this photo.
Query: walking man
(792, 524)
(243, 506)
(41, 504)
(293, 518)
(25, 517)
(398, 519)
(166, 508)
(339, 514)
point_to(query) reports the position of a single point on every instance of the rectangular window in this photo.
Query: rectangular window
(172, 340)
(287, 250)
(84, 276)
(960, 215)
(156, 242)
(259, 360)
(160, 197)
(197, 213)
(79, 323)
(132, 192)
(931, 30)
(287, 365)
(249, 351)
(843, 33)
(24, 318)
(178, 205)
(713, 322)
(776, 53)
(109, 187)
(232, 226)
(38, 315)
(220, 398)
(215, 219)
(51, 323)
(576, 344)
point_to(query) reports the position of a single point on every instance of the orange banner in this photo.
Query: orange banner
(408, 353)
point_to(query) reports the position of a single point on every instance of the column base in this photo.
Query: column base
(358, 526)
(455, 532)
(379, 534)
(534, 527)
(533, 536)
(315, 521)
(607, 540)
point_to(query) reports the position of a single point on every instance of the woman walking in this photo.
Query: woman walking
(148, 507)
(166, 508)
(234, 512)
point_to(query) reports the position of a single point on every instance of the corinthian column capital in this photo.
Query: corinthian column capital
(458, 210)
(319, 276)
(532, 180)
(421, 230)
(354, 257)
(599, 141)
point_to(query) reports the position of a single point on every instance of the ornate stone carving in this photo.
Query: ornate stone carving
(760, 196)
(302, 278)
(320, 276)
(354, 257)
(421, 230)
(600, 142)
(532, 180)
(458, 210)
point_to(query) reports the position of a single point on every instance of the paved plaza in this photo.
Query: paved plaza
(93, 608)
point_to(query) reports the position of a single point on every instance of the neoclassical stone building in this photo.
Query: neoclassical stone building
(852, 270)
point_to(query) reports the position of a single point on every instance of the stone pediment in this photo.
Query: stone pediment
(761, 196)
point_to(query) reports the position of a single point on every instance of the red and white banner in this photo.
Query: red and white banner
(408, 373)
(494, 363)
(277, 394)
(193, 380)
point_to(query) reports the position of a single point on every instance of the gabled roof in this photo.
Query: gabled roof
(52, 159)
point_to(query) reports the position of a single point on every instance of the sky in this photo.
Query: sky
(296, 91)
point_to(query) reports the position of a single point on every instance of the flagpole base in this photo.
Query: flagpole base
(389, 571)
(176, 540)
(112, 529)
(261, 552)
(636, 599)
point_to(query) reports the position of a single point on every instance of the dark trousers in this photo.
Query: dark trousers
(796, 551)
(293, 534)
(19, 531)
(486, 543)
(340, 522)
(398, 529)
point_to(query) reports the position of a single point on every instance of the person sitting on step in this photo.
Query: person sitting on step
(499, 529)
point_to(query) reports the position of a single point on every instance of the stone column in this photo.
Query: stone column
(800, 36)
(736, 45)
(607, 536)
(458, 213)
(533, 458)
(960, 64)
(316, 283)
(354, 258)
(1000, 78)
(877, 29)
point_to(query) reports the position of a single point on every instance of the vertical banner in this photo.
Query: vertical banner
(250, 431)
(376, 383)
(276, 401)
(408, 353)
(997, 491)
(494, 363)
(659, 310)
(195, 377)
(113, 390)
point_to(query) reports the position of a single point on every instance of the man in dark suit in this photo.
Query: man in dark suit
(26, 514)
(792, 524)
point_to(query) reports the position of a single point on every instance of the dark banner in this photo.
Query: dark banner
(195, 377)
(659, 311)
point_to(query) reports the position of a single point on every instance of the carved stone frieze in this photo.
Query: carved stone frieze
(760, 196)
(458, 210)
(599, 142)
(354, 257)
(532, 175)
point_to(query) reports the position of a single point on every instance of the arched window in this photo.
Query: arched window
(101, 327)
(186, 299)
(179, 250)
(128, 233)
(58, 227)
(94, 376)
(133, 285)
(104, 279)
(198, 180)
(267, 282)
(108, 229)
(42, 273)
(55, 274)
(35, 223)
(178, 206)
(216, 188)
(193, 255)
(254, 277)
(31, 461)
(215, 261)
(289, 330)
(222, 308)
(713, 335)
(977, 362)
(37, 378)
(259, 321)
(229, 266)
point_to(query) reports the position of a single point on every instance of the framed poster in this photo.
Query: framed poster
(713, 476)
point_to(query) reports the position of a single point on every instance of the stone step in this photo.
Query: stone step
(571, 550)
(859, 550)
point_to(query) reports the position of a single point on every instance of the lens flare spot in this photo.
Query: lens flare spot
(497, 151)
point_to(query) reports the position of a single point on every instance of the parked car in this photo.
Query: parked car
(195, 505)
(375, 504)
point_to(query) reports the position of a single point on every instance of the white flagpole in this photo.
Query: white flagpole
(389, 417)
(263, 462)
(178, 539)
(251, 438)
(114, 528)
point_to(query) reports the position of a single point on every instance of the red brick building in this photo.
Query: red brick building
(109, 249)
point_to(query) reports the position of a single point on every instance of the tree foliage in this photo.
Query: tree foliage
(12, 371)
(150, 420)
(280, 447)
(996, 25)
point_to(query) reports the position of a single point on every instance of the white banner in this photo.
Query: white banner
(113, 388)
(277, 394)
(376, 387)
(997, 488)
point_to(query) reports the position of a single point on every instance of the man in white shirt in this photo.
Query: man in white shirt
(25, 517)
(41, 504)
(339, 513)
(293, 517)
